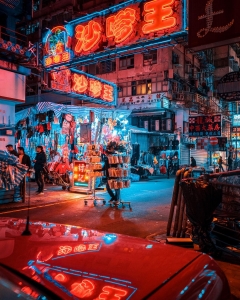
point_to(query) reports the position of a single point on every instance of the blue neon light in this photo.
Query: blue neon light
(158, 42)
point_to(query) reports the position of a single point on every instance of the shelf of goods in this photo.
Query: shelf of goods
(87, 171)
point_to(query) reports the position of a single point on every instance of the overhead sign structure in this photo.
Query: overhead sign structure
(228, 87)
(125, 27)
(213, 23)
(200, 126)
(84, 86)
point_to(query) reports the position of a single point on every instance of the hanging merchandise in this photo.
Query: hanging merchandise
(85, 133)
(65, 127)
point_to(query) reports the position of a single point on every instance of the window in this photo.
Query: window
(175, 58)
(126, 62)
(221, 63)
(107, 66)
(141, 87)
(150, 56)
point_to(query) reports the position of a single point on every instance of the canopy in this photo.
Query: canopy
(58, 109)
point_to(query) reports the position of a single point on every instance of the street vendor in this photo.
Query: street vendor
(115, 196)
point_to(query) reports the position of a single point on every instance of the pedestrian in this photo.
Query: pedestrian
(39, 164)
(24, 159)
(193, 162)
(230, 162)
(11, 151)
(115, 196)
(220, 162)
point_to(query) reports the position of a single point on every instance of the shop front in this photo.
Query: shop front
(74, 138)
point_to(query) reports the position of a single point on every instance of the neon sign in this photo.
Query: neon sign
(65, 250)
(58, 46)
(131, 25)
(85, 85)
(158, 16)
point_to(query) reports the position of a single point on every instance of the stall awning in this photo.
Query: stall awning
(58, 109)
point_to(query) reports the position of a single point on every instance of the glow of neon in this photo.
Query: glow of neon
(158, 16)
(83, 289)
(87, 36)
(121, 26)
(60, 277)
(109, 292)
(80, 83)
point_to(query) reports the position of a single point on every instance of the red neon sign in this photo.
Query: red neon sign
(95, 88)
(112, 293)
(64, 250)
(67, 81)
(121, 26)
(87, 36)
(80, 83)
(107, 92)
(83, 289)
(158, 16)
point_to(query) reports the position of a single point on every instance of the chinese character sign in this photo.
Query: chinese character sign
(89, 87)
(119, 26)
(57, 46)
(200, 126)
(213, 22)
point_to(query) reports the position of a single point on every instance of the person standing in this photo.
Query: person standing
(220, 162)
(11, 151)
(39, 163)
(115, 197)
(230, 162)
(24, 159)
(193, 162)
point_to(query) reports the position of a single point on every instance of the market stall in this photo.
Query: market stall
(67, 132)
(11, 176)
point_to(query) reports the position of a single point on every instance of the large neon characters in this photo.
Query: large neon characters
(80, 83)
(121, 26)
(87, 36)
(158, 16)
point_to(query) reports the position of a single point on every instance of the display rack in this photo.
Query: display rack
(119, 172)
(93, 170)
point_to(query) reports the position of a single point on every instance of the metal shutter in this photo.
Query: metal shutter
(184, 155)
(201, 156)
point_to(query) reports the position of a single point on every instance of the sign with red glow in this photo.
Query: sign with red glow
(205, 125)
(134, 23)
(80, 177)
(79, 83)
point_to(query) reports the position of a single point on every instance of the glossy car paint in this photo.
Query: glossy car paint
(79, 263)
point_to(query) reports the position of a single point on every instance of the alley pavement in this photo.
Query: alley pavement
(147, 218)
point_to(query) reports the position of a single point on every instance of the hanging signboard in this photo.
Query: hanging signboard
(200, 126)
(85, 86)
(134, 24)
(228, 87)
(213, 23)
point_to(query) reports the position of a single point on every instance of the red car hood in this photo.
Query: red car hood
(79, 263)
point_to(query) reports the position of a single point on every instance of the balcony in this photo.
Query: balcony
(13, 45)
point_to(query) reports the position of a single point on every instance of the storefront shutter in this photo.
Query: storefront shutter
(201, 156)
(184, 155)
(141, 139)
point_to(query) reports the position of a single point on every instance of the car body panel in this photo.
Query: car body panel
(78, 263)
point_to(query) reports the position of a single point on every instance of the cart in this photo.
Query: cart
(57, 179)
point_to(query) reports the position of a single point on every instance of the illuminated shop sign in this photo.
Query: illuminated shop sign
(80, 178)
(236, 121)
(78, 83)
(213, 23)
(205, 125)
(131, 25)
